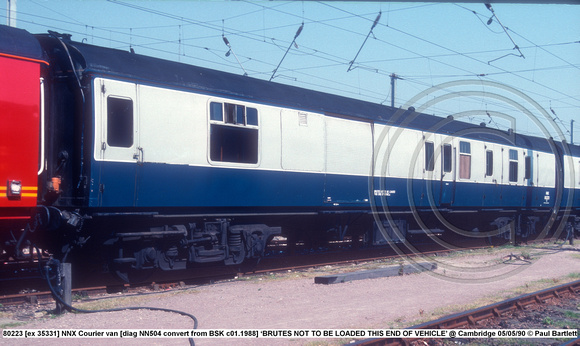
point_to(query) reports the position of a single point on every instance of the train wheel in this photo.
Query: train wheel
(126, 273)
(249, 265)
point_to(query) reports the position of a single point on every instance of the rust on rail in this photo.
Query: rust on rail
(471, 317)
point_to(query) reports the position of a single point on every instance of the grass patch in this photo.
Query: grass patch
(548, 321)
(453, 309)
(526, 255)
(11, 325)
(572, 321)
(5, 314)
(537, 285)
(119, 302)
(527, 252)
(566, 324)
(322, 270)
(270, 277)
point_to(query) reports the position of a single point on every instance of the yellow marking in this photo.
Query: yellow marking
(3, 190)
(24, 195)
(24, 188)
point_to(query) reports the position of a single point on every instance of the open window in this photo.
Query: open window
(233, 133)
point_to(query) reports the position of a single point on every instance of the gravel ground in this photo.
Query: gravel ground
(292, 300)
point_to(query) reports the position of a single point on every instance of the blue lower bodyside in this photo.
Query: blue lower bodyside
(162, 185)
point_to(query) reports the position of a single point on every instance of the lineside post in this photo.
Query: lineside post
(65, 279)
(393, 77)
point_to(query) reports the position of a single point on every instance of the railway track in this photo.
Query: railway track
(40, 294)
(46, 297)
(490, 316)
(271, 265)
(479, 323)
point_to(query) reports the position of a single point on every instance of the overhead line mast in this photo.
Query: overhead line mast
(11, 13)
(393, 78)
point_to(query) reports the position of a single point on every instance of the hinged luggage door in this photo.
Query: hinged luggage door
(117, 148)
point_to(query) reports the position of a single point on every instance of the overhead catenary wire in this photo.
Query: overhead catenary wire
(543, 48)
(232, 52)
(365, 41)
(378, 71)
(506, 32)
(157, 12)
(287, 50)
(469, 57)
(328, 83)
(329, 86)
(313, 79)
(478, 16)
(557, 118)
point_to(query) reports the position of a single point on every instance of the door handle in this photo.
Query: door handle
(139, 156)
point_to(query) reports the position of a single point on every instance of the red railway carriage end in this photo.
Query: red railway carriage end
(21, 62)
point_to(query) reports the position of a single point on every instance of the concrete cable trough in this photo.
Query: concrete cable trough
(394, 270)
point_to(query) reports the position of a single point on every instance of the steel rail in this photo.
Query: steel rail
(469, 318)
(273, 265)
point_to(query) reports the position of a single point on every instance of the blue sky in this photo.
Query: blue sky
(424, 43)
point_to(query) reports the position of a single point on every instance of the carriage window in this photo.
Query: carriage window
(233, 133)
(119, 122)
(233, 144)
(234, 114)
(252, 116)
(489, 163)
(464, 160)
(240, 115)
(446, 158)
(513, 156)
(464, 147)
(429, 156)
(528, 167)
(216, 112)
